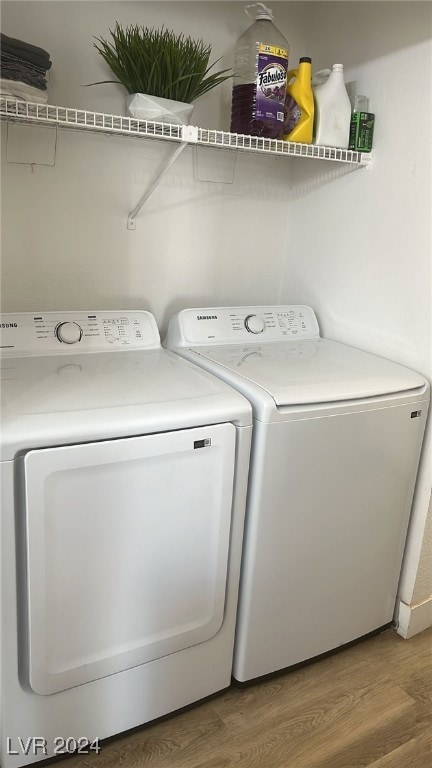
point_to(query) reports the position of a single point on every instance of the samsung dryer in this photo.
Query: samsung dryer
(335, 450)
(124, 475)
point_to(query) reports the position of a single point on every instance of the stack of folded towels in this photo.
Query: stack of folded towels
(23, 70)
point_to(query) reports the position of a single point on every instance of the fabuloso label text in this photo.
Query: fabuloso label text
(272, 66)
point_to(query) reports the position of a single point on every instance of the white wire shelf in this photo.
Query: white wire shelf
(80, 119)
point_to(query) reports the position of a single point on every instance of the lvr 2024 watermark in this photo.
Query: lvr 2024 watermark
(39, 746)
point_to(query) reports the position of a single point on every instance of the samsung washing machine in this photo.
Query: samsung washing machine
(124, 475)
(336, 443)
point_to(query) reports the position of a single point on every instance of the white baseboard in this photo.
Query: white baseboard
(413, 619)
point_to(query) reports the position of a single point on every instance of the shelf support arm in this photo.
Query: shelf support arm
(189, 135)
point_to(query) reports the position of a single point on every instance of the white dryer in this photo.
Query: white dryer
(335, 450)
(124, 475)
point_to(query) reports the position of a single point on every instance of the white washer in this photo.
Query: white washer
(335, 451)
(124, 476)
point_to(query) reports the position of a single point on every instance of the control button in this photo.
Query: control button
(68, 333)
(254, 324)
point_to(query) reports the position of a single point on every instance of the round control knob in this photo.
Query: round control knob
(69, 333)
(254, 324)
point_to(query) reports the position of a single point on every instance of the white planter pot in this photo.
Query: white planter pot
(156, 109)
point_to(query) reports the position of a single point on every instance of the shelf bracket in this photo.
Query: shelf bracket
(189, 136)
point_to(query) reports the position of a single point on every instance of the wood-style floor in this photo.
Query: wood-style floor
(368, 706)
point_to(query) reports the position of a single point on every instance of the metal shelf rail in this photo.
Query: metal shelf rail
(80, 119)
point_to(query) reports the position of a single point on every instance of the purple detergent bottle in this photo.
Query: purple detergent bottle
(260, 77)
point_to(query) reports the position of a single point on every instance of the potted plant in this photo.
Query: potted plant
(163, 72)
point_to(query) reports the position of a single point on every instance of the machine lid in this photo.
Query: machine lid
(310, 371)
(69, 377)
(58, 399)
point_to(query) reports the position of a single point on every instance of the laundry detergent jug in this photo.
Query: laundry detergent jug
(332, 108)
(299, 105)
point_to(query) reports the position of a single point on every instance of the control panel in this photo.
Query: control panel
(76, 332)
(229, 325)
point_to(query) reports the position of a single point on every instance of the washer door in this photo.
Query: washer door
(127, 548)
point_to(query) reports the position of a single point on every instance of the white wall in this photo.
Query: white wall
(359, 246)
(64, 237)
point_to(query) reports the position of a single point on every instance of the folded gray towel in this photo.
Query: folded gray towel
(16, 90)
(26, 51)
(9, 57)
(12, 71)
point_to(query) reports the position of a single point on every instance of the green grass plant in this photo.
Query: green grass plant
(159, 62)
